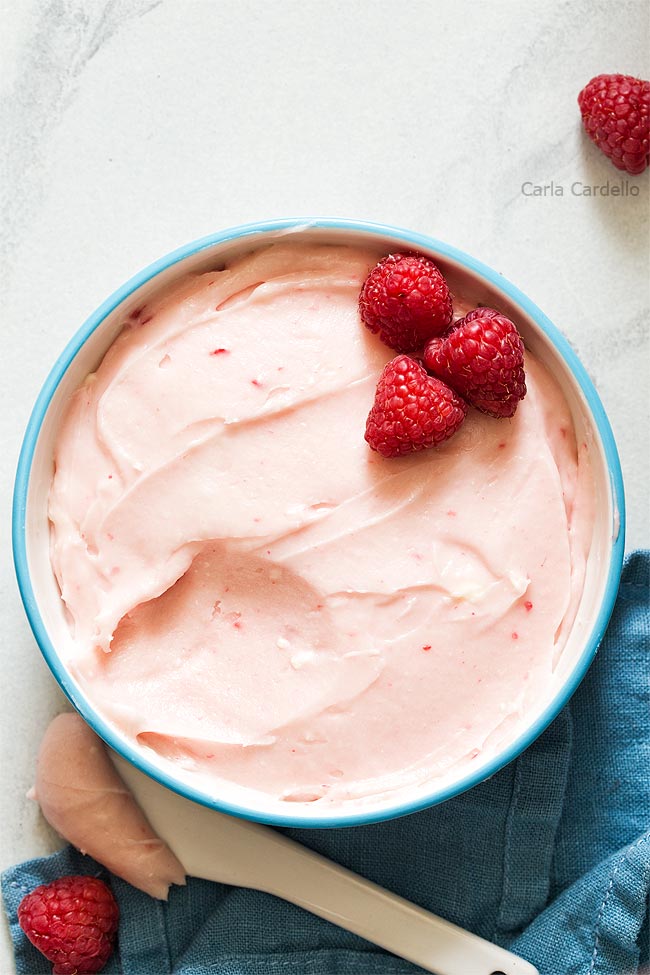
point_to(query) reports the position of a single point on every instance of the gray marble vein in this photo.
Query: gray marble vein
(68, 34)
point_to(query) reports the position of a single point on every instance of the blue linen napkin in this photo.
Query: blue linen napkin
(550, 857)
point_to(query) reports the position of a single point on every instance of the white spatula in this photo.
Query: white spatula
(217, 847)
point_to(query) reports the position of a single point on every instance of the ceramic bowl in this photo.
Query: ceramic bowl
(475, 282)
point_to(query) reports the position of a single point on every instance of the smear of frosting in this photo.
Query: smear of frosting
(255, 594)
(84, 799)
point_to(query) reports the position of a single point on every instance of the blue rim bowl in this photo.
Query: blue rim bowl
(246, 237)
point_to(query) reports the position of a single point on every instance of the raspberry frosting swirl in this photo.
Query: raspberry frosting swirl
(256, 595)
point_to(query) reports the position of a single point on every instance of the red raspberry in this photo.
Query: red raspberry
(412, 410)
(615, 109)
(406, 299)
(482, 357)
(73, 922)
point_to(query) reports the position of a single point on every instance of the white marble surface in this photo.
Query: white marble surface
(131, 126)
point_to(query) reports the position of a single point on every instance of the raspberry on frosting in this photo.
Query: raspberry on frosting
(412, 411)
(406, 300)
(482, 358)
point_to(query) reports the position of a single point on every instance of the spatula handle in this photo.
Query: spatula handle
(340, 896)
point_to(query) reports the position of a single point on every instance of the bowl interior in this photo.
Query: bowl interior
(40, 590)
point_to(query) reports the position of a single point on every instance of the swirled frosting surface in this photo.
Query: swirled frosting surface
(255, 594)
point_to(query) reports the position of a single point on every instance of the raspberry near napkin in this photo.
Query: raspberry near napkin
(550, 857)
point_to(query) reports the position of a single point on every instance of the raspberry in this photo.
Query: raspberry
(482, 358)
(406, 300)
(73, 922)
(615, 109)
(412, 410)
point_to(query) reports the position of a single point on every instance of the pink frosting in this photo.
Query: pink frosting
(257, 595)
(84, 799)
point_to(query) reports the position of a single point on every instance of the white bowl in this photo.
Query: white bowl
(477, 283)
